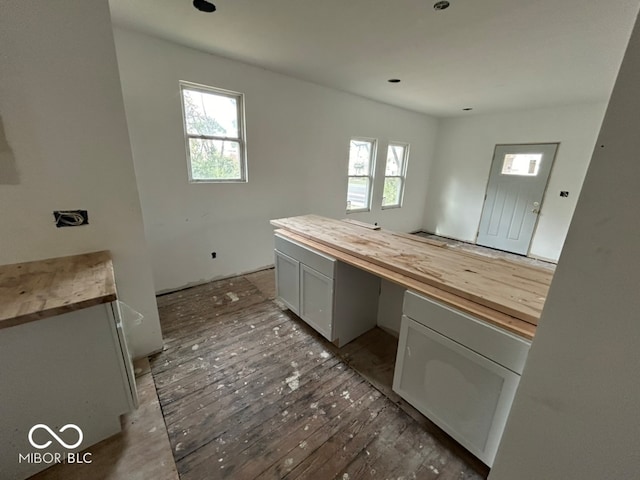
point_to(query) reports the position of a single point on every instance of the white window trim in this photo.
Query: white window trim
(402, 176)
(244, 178)
(372, 170)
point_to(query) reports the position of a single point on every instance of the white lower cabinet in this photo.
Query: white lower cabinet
(288, 281)
(459, 372)
(316, 300)
(337, 300)
(66, 369)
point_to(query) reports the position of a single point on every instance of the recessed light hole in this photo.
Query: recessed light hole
(204, 6)
(442, 5)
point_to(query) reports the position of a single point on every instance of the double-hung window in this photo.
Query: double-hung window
(394, 175)
(214, 134)
(362, 154)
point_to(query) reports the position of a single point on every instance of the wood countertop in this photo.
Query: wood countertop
(44, 288)
(504, 293)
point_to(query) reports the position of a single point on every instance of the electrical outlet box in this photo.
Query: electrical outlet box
(71, 218)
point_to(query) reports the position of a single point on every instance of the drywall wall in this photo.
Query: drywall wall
(575, 414)
(464, 152)
(8, 170)
(390, 306)
(297, 141)
(62, 110)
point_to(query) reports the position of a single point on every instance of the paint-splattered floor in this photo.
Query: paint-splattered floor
(249, 391)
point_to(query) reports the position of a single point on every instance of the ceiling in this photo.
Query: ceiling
(491, 55)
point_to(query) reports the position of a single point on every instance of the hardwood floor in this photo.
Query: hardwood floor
(248, 391)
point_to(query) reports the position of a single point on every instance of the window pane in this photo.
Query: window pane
(392, 190)
(360, 152)
(215, 159)
(358, 193)
(210, 114)
(523, 164)
(395, 158)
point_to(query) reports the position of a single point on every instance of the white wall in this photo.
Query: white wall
(61, 105)
(390, 306)
(298, 140)
(575, 415)
(8, 171)
(464, 152)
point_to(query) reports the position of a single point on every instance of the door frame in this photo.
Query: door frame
(544, 192)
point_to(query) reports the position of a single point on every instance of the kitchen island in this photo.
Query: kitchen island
(506, 294)
(465, 321)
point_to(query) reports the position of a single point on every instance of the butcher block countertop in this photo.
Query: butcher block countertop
(501, 292)
(44, 288)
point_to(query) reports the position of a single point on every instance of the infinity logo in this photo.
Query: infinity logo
(52, 433)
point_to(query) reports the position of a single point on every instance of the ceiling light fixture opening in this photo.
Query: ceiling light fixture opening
(394, 80)
(467, 109)
(204, 6)
(442, 5)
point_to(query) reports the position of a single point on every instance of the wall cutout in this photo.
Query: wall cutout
(8, 170)
(71, 218)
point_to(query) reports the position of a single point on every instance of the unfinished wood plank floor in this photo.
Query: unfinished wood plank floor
(248, 391)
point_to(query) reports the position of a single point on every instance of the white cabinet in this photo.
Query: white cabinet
(66, 369)
(336, 299)
(288, 281)
(316, 300)
(458, 371)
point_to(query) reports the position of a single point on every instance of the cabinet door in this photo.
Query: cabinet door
(288, 281)
(465, 394)
(316, 300)
(123, 314)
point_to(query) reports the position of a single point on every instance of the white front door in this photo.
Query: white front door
(517, 182)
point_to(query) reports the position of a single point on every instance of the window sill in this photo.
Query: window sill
(360, 210)
(217, 181)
